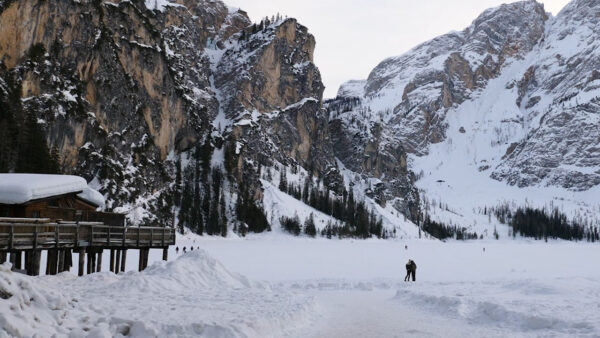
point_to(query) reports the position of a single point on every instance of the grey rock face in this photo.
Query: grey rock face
(124, 89)
(554, 66)
(561, 92)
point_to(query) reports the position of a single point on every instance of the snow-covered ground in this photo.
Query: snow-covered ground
(273, 285)
(514, 288)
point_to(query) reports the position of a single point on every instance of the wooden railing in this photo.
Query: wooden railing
(30, 234)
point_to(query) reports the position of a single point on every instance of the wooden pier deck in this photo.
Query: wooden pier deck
(31, 235)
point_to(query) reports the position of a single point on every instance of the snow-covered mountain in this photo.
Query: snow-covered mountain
(505, 111)
(185, 112)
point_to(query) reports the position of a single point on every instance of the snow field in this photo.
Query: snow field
(515, 288)
(301, 287)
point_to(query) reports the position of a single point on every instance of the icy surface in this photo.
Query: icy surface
(20, 188)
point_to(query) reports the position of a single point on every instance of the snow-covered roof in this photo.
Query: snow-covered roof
(93, 196)
(21, 188)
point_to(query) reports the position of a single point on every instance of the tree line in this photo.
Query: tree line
(543, 224)
(442, 231)
(355, 219)
(199, 194)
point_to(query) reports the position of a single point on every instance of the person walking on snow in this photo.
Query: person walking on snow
(413, 269)
(408, 267)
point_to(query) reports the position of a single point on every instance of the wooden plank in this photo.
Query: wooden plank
(165, 253)
(23, 220)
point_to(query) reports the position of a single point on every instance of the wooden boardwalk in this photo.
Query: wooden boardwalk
(31, 235)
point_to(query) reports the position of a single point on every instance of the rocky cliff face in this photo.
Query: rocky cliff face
(124, 88)
(549, 67)
(503, 112)
(560, 96)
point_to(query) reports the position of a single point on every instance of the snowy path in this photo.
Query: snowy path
(365, 314)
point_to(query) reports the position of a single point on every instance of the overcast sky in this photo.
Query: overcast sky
(353, 36)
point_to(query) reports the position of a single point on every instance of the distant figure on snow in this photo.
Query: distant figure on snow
(483, 249)
(192, 249)
(177, 250)
(406, 247)
(184, 249)
(411, 270)
(407, 277)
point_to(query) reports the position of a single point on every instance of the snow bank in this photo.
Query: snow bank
(192, 296)
(20, 188)
(25, 308)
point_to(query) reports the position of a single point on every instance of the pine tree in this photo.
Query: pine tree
(223, 220)
(54, 165)
(309, 226)
(283, 180)
(177, 190)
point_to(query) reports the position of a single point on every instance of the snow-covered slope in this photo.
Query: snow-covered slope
(503, 112)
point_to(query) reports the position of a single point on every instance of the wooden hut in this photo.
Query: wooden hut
(55, 197)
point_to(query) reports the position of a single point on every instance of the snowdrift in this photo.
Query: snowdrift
(193, 296)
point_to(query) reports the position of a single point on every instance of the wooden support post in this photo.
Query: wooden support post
(140, 265)
(81, 262)
(48, 262)
(18, 261)
(27, 263)
(117, 261)
(13, 260)
(112, 260)
(61, 261)
(166, 253)
(123, 260)
(2, 257)
(52, 262)
(99, 263)
(93, 262)
(146, 254)
(35, 262)
(68, 259)
(89, 261)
